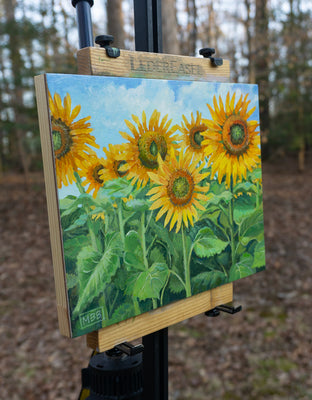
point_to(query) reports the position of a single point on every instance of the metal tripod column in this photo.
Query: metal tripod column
(84, 23)
(148, 37)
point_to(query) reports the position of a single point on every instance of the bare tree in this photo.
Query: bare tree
(115, 22)
(170, 27)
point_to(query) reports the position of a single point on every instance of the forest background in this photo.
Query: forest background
(267, 42)
(262, 353)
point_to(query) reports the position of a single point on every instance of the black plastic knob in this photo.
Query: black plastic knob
(207, 52)
(104, 40)
(75, 2)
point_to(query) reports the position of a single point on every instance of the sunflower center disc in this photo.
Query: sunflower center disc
(95, 174)
(117, 165)
(62, 141)
(150, 144)
(237, 134)
(153, 148)
(180, 187)
(196, 137)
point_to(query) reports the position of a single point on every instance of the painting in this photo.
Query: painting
(159, 191)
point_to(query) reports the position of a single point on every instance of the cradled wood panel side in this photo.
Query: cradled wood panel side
(163, 317)
(94, 61)
(52, 203)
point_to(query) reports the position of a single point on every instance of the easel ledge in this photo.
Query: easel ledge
(144, 324)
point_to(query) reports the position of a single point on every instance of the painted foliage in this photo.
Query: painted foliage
(160, 191)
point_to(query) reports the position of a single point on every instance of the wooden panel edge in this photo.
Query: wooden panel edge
(52, 205)
(149, 322)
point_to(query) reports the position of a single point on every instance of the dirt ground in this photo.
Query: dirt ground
(263, 352)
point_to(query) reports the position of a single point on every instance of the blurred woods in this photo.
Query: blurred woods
(267, 42)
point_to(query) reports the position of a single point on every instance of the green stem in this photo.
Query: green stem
(121, 223)
(102, 303)
(225, 273)
(149, 220)
(94, 239)
(143, 239)
(78, 183)
(136, 306)
(154, 304)
(187, 273)
(163, 290)
(231, 217)
(258, 195)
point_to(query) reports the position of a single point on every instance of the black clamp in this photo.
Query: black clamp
(105, 41)
(215, 312)
(207, 52)
(129, 349)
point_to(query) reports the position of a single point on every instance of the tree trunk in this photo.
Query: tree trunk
(262, 62)
(17, 89)
(191, 26)
(115, 22)
(170, 27)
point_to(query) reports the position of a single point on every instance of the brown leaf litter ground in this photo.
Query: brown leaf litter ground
(261, 353)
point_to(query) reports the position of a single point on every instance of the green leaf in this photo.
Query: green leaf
(83, 200)
(207, 280)
(243, 207)
(124, 311)
(71, 280)
(148, 284)
(118, 188)
(81, 221)
(95, 271)
(175, 285)
(73, 246)
(254, 232)
(136, 205)
(243, 268)
(225, 196)
(156, 255)
(133, 251)
(67, 202)
(255, 174)
(207, 244)
(245, 187)
(251, 227)
(259, 255)
(164, 235)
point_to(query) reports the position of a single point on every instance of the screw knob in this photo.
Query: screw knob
(207, 52)
(75, 2)
(104, 40)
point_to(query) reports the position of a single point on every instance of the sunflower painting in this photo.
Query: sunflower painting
(159, 191)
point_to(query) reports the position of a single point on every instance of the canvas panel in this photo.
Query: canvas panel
(159, 191)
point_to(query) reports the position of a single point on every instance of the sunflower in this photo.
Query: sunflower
(99, 215)
(91, 172)
(115, 159)
(178, 193)
(192, 134)
(71, 140)
(149, 141)
(231, 141)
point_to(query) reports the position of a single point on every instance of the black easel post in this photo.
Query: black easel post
(148, 37)
(84, 23)
(147, 25)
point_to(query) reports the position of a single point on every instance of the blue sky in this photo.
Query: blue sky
(111, 100)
